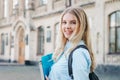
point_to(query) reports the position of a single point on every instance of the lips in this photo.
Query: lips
(68, 32)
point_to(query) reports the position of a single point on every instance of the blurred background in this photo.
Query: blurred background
(28, 30)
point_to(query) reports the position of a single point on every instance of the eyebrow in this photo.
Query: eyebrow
(69, 20)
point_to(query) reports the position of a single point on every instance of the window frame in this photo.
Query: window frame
(116, 34)
(40, 46)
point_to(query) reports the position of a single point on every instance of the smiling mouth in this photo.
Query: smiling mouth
(68, 32)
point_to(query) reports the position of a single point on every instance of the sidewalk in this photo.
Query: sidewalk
(108, 72)
(16, 72)
(10, 64)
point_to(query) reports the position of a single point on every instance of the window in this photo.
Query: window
(15, 6)
(26, 39)
(40, 49)
(68, 3)
(6, 39)
(2, 44)
(42, 2)
(15, 3)
(56, 33)
(5, 8)
(48, 36)
(12, 41)
(56, 30)
(114, 35)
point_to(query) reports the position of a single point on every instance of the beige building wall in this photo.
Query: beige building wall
(47, 16)
(6, 33)
(110, 7)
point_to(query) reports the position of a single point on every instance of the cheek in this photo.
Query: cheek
(74, 28)
(62, 27)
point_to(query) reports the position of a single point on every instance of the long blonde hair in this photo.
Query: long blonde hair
(82, 32)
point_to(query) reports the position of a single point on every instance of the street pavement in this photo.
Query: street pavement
(13, 71)
(19, 72)
(108, 72)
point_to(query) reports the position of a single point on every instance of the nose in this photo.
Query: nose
(67, 26)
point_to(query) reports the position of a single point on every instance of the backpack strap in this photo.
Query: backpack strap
(70, 59)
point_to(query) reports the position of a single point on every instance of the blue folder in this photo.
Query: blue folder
(47, 62)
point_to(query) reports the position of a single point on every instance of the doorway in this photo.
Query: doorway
(21, 47)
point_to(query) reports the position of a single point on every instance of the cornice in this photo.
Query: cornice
(87, 5)
(47, 14)
(111, 1)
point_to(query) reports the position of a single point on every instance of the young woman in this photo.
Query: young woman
(73, 31)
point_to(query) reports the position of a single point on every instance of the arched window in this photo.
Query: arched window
(114, 35)
(40, 42)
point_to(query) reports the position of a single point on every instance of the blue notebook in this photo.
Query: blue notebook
(46, 62)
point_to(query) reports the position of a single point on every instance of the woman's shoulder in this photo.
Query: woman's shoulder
(82, 56)
(82, 53)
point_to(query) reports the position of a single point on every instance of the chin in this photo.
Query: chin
(67, 37)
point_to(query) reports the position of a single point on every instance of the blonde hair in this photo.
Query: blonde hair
(82, 32)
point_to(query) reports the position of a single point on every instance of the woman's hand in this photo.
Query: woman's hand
(46, 78)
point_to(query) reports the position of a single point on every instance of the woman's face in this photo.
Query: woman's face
(69, 24)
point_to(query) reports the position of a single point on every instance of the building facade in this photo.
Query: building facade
(28, 28)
